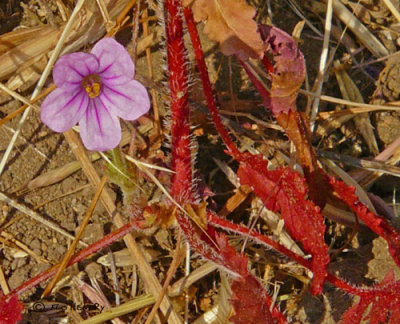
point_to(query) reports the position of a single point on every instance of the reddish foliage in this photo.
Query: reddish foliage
(248, 300)
(233, 261)
(296, 127)
(287, 75)
(219, 251)
(11, 310)
(285, 190)
(379, 225)
(384, 300)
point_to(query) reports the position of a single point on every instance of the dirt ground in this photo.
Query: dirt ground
(38, 150)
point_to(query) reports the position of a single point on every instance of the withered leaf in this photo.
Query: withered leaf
(231, 24)
(289, 69)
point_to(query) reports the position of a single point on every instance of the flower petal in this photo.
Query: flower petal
(70, 70)
(100, 129)
(128, 101)
(62, 110)
(114, 59)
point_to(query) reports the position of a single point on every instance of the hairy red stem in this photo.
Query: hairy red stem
(181, 188)
(262, 239)
(211, 101)
(231, 259)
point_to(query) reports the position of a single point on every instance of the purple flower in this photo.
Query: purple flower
(95, 89)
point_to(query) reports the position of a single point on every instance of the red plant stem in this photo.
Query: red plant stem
(260, 238)
(97, 246)
(182, 185)
(181, 188)
(377, 224)
(174, 28)
(211, 101)
(264, 93)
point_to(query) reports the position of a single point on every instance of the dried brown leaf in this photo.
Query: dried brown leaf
(231, 24)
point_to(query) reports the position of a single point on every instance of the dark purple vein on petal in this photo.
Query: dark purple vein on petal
(106, 68)
(97, 118)
(76, 71)
(70, 101)
(118, 93)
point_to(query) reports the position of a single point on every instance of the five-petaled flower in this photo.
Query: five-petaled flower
(95, 89)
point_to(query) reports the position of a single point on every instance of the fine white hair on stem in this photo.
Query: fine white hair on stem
(41, 82)
(322, 63)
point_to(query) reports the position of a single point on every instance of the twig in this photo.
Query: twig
(375, 166)
(170, 273)
(145, 269)
(150, 69)
(349, 103)
(106, 17)
(121, 19)
(392, 9)
(17, 96)
(114, 278)
(61, 196)
(322, 63)
(187, 274)
(126, 308)
(178, 287)
(71, 249)
(22, 109)
(3, 281)
(362, 32)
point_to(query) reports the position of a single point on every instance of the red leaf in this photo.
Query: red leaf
(379, 225)
(249, 303)
(385, 300)
(250, 299)
(296, 128)
(233, 261)
(11, 310)
(284, 190)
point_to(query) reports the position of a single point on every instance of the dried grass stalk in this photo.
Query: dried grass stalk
(361, 32)
(350, 91)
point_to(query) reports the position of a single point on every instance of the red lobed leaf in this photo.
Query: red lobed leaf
(296, 128)
(378, 224)
(287, 73)
(248, 301)
(285, 190)
(233, 260)
(11, 310)
(384, 299)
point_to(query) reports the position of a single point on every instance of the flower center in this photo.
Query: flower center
(92, 85)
